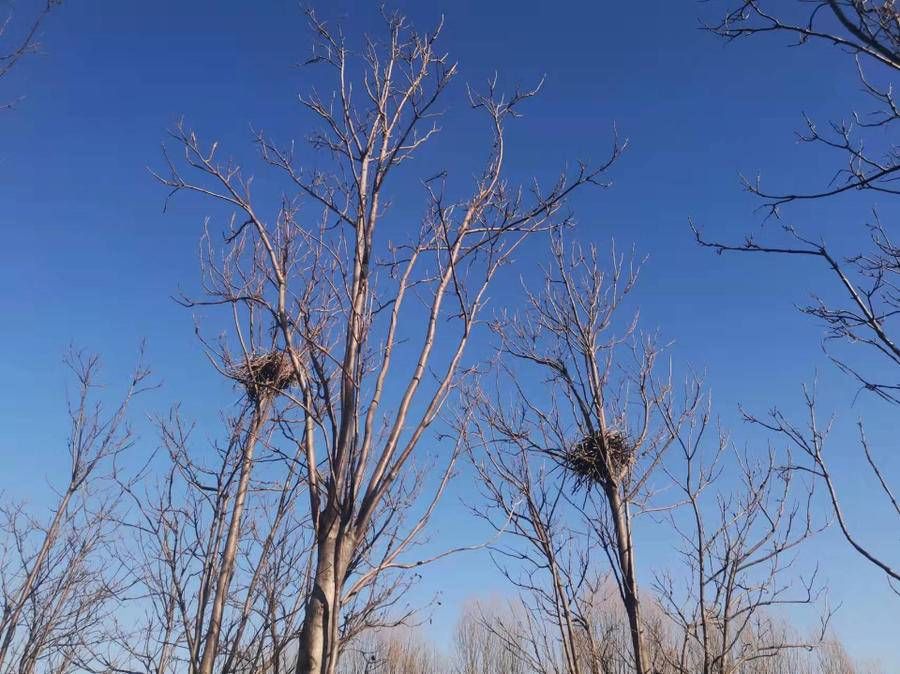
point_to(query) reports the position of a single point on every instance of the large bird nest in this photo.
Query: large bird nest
(265, 374)
(601, 458)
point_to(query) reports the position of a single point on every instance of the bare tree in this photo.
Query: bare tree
(832, 658)
(212, 596)
(865, 314)
(737, 545)
(331, 296)
(547, 560)
(571, 463)
(609, 646)
(391, 651)
(58, 578)
(489, 640)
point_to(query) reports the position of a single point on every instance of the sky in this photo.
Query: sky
(90, 258)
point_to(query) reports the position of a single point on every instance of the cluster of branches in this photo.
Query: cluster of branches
(862, 307)
(61, 577)
(19, 38)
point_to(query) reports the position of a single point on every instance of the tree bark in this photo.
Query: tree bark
(319, 648)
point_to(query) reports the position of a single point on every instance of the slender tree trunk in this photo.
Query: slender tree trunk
(629, 581)
(229, 553)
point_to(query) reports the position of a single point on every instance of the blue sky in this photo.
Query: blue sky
(89, 257)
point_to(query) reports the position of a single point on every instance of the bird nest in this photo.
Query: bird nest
(601, 458)
(264, 374)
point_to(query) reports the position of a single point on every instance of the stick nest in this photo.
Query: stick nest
(601, 458)
(264, 375)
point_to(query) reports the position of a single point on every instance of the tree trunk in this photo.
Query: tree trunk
(229, 554)
(319, 648)
(629, 582)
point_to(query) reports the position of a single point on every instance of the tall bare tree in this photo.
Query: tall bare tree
(331, 291)
(60, 576)
(210, 596)
(737, 545)
(861, 311)
(571, 463)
